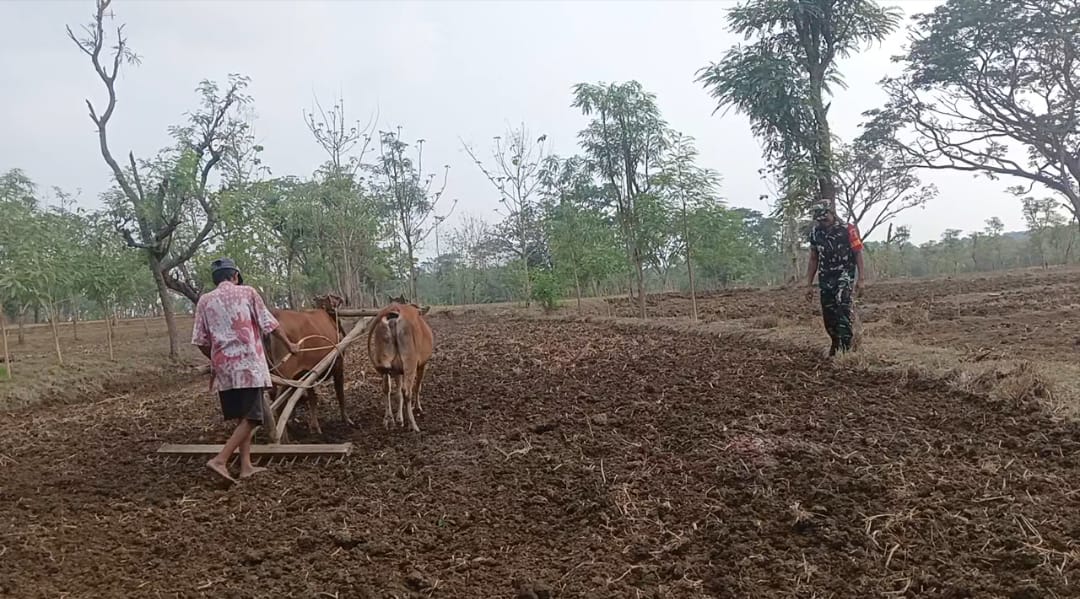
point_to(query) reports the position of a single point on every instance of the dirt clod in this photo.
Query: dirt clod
(744, 472)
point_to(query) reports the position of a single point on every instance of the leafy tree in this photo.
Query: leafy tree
(515, 172)
(992, 233)
(625, 142)
(781, 80)
(109, 272)
(18, 204)
(726, 251)
(690, 187)
(1042, 217)
(583, 240)
(165, 207)
(984, 77)
(951, 244)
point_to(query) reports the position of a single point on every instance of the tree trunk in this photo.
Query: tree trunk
(56, 333)
(641, 285)
(109, 334)
(289, 279)
(22, 322)
(166, 308)
(413, 295)
(822, 157)
(690, 269)
(577, 281)
(528, 283)
(75, 320)
(3, 334)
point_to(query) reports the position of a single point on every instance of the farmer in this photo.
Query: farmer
(230, 322)
(836, 258)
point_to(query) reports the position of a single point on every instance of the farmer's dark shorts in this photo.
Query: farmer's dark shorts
(242, 403)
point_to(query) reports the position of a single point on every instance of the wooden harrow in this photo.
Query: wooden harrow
(276, 415)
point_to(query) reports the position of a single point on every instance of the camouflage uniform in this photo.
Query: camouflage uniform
(836, 246)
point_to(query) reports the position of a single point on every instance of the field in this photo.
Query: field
(588, 456)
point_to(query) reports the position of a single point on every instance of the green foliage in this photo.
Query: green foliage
(624, 142)
(779, 80)
(633, 209)
(983, 77)
(546, 289)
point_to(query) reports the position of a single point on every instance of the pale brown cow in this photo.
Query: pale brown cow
(317, 328)
(400, 345)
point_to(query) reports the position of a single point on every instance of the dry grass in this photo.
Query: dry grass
(141, 361)
(765, 322)
(909, 314)
(1001, 379)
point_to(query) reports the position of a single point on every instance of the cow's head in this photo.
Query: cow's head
(405, 302)
(329, 302)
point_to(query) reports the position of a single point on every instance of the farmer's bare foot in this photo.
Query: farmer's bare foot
(248, 472)
(221, 470)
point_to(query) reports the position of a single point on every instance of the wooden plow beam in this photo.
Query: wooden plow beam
(369, 312)
(276, 415)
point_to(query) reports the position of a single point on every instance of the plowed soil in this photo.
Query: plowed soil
(562, 459)
(1027, 314)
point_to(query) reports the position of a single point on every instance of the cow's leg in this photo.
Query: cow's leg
(339, 389)
(408, 386)
(419, 384)
(389, 418)
(399, 381)
(313, 411)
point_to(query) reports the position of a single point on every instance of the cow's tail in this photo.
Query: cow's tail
(392, 322)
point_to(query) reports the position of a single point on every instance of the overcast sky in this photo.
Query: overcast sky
(442, 70)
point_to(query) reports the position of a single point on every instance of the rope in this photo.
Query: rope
(273, 367)
(297, 384)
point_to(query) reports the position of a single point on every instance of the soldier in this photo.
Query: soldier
(836, 258)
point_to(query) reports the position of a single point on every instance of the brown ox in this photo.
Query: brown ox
(316, 329)
(399, 345)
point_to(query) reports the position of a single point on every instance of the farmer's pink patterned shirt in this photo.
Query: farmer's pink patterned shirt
(232, 319)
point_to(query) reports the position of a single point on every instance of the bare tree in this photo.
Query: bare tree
(875, 185)
(157, 201)
(517, 165)
(411, 195)
(339, 137)
(351, 232)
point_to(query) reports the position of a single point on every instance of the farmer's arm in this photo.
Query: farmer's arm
(268, 324)
(280, 334)
(859, 264)
(811, 266)
(200, 333)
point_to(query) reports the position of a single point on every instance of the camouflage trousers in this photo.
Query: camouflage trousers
(836, 312)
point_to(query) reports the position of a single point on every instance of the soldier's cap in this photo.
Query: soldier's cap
(226, 264)
(821, 212)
